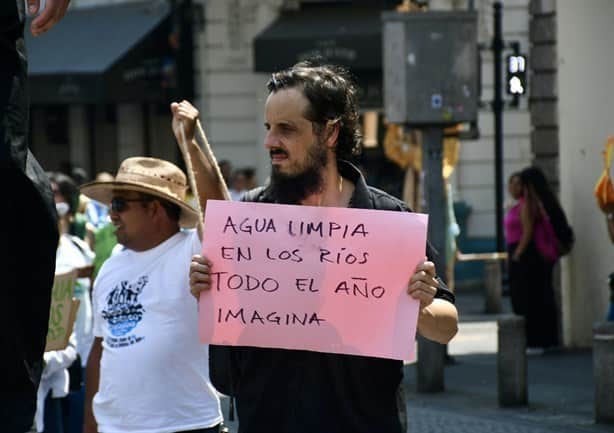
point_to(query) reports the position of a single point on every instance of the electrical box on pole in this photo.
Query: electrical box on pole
(431, 80)
(430, 67)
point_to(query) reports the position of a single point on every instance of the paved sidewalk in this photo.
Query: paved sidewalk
(560, 384)
(560, 397)
(561, 390)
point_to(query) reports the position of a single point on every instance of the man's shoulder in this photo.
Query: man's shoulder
(114, 262)
(384, 201)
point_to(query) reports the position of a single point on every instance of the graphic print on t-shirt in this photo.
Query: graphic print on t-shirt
(123, 312)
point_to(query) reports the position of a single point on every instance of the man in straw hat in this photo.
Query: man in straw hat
(312, 129)
(147, 370)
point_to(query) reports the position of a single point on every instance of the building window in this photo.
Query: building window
(56, 125)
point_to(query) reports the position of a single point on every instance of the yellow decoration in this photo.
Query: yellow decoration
(604, 189)
(405, 148)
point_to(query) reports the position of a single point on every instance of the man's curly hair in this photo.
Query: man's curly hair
(331, 93)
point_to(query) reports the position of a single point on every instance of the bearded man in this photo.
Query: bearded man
(312, 129)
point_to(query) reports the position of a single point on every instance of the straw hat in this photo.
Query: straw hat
(150, 176)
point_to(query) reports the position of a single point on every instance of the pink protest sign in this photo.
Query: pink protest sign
(314, 278)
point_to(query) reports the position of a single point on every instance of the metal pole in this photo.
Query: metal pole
(184, 57)
(497, 106)
(431, 355)
(434, 191)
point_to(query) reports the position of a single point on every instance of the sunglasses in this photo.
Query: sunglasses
(119, 204)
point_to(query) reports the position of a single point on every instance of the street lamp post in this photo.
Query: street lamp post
(497, 106)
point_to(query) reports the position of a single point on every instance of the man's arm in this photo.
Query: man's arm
(438, 318)
(438, 321)
(92, 377)
(209, 183)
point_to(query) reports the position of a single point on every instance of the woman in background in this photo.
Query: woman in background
(533, 258)
(513, 233)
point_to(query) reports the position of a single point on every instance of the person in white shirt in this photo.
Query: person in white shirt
(60, 393)
(147, 371)
(73, 253)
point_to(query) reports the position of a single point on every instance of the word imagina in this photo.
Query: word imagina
(272, 318)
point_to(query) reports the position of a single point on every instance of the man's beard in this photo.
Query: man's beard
(292, 188)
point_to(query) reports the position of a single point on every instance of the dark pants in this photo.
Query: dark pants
(532, 295)
(53, 419)
(17, 414)
(72, 411)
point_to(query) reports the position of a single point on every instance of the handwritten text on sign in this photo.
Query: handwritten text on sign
(63, 311)
(315, 278)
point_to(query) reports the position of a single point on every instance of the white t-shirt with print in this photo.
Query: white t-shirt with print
(154, 373)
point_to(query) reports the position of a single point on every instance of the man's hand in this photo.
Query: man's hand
(54, 11)
(423, 284)
(200, 275)
(186, 114)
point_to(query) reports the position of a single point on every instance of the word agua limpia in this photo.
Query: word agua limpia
(322, 229)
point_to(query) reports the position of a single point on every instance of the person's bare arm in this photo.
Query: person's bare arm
(438, 321)
(527, 232)
(438, 318)
(54, 11)
(209, 183)
(92, 377)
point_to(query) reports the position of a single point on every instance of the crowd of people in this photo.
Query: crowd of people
(134, 362)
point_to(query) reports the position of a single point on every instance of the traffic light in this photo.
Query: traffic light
(516, 74)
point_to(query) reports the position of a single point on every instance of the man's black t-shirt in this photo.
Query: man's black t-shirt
(296, 391)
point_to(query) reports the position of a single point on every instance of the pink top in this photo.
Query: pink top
(512, 224)
(545, 238)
